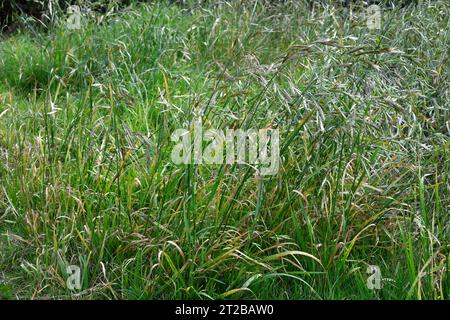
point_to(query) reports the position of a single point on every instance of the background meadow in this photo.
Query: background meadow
(86, 178)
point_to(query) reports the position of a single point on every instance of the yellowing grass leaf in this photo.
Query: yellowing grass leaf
(233, 291)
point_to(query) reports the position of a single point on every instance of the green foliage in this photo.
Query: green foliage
(5, 292)
(43, 12)
(86, 178)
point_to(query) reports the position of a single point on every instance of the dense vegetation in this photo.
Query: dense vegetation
(86, 177)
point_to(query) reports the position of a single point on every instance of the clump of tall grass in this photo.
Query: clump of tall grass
(86, 178)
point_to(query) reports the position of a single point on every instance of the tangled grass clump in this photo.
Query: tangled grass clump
(86, 178)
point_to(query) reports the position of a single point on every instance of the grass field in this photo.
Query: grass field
(86, 176)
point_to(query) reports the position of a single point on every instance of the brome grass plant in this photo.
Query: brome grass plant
(86, 176)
